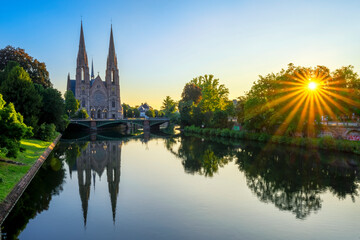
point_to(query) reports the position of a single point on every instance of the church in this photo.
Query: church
(101, 99)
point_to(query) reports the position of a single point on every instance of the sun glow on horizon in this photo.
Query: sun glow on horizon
(305, 96)
(312, 86)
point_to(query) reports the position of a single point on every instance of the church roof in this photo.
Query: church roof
(72, 85)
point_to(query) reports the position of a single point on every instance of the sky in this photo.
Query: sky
(163, 44)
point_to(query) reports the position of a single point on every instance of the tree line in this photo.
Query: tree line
(29, 105)
(277, 104)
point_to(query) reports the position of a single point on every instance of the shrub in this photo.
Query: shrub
(47, 132)
(206, 131)
(213, 132)
(263, 137)
(233, 133)
(327, 142)
(225, 132)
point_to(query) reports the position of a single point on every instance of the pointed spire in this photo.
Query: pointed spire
(82, 56)
(112, 56)
(92, 69)
(68, 76)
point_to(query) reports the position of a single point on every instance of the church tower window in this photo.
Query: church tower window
(113, 103)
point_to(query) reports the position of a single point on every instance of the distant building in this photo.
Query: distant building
(143, 109)
(101, 99)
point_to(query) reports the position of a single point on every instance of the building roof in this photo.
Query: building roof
(72, 85)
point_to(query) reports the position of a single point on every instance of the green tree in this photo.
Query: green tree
(168, 106)
(214, 95)
(12, 128)
(136, 112)
(53, 107)
(82, 114)
(125, 108)
(71, 103)
(150, 113)
(18, 89)
(36, 70)
(191, 92)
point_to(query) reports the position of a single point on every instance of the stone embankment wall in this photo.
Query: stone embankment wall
(11, 199)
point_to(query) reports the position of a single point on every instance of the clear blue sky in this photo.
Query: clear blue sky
(163, 44)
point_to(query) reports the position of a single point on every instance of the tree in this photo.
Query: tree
(36, 70)
(53, 107)
(150, 113)
(136, 112)
(12, 128)
(18, 89)
(71, 103)
(191, 92)
(214, 95)
(283, 103)
(169, 106)
(82, 114)
(200, 98)
(125, 108)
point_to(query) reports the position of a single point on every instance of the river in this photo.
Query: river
(186, 187)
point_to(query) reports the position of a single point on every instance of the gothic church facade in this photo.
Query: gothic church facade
(101, 99)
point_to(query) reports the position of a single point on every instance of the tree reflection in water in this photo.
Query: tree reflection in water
(37, 197)
(88, 159)
(290, 178)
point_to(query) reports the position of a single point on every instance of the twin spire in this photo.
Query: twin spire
(82, 56)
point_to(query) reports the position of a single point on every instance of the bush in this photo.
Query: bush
(263, 137)
(212, 132)
(225, 132)
(47, 132)
(327, 142)
(233, 133)
(206, 131)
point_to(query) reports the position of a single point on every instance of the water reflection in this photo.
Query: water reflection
(290, 178)
(93, 158)
(37, 197)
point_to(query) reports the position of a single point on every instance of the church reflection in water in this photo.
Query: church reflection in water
(94, 158)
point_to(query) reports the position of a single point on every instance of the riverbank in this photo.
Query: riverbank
(15, 177)
(326, 142)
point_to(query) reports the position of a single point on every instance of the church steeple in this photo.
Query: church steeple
(92, 69)
(111, 60)
(82, 56)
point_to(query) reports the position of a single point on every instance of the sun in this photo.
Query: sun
(312, 86)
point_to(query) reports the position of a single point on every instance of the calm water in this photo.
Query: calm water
(188, 188)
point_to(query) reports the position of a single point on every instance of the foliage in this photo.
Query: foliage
(326, 142)
(12, 128)
(169, 106)
(150, 113)
(18, 89)
(36, 70)
(71, 103)
(82, 114)
(47, 132)
(192, 93)
(201, 98)
(53, 107)
(280, 104)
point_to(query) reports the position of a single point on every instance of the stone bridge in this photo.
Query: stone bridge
(341, 129)
(146, 124)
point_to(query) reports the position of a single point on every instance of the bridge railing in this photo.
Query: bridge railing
(341, 124)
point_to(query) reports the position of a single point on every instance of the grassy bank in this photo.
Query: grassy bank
(326, 142)
(10, 174)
